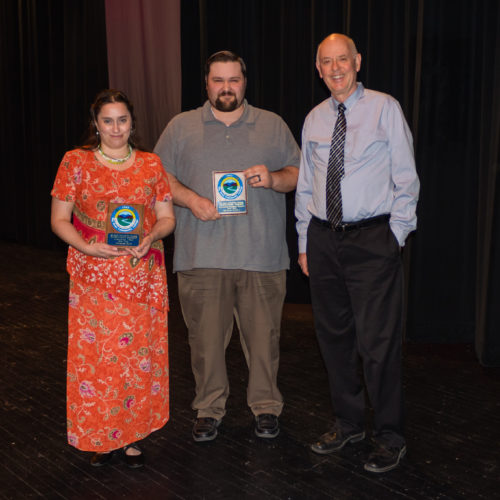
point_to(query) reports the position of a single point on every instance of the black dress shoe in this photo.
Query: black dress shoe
(205, 429)
(133, 461)
(335, 441)
(267, 425)
(100, 459)
(384, 459)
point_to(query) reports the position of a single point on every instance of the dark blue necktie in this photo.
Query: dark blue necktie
(336, 170)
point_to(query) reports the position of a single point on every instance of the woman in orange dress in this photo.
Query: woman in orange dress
(117, 372)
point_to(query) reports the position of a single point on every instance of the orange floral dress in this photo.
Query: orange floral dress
(117, 371)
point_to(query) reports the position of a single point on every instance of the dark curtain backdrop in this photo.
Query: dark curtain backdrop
(278, 41)
(439, 58)
(52, 63)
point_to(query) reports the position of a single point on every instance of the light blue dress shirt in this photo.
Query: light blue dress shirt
(380, 175)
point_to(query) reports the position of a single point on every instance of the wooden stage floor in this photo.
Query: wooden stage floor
(452, 404)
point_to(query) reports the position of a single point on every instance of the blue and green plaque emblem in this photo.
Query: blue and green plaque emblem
(230, 193)
(124, 225)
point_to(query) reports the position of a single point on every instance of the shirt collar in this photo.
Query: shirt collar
(352, 99)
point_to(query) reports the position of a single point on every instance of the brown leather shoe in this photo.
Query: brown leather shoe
(335, 441)
(384, 458)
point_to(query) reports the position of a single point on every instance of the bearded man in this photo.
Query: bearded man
(231, 267)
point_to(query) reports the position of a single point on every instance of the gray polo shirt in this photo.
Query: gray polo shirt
(192, 146)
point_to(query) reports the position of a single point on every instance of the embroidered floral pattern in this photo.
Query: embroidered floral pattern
(117, 382)
(125, 339)
(87, 335)
(87, 389)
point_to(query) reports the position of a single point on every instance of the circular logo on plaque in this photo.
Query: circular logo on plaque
(229, 186)
(124, 219)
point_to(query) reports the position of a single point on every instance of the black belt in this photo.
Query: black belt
(351, 226)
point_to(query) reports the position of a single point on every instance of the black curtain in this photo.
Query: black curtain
(53, 62)
(441, 60)
(488, 212)
(453, 293)
(278, 41)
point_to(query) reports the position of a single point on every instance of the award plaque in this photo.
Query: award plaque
(124, 225)
(230, 193)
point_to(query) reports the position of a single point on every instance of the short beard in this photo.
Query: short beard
(226, 107)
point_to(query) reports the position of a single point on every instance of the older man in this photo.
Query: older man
(355, 204)
(231, 264)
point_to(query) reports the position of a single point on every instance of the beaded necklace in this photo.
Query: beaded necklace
(115, 161)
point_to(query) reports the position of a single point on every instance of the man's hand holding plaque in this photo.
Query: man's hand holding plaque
(230, 193)
(230, 188)
(259, 176)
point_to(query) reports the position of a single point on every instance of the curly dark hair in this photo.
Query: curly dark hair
(91, 138)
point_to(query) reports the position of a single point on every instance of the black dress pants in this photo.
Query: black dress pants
(356, 284)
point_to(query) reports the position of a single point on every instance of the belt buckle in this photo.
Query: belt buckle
(342, 228)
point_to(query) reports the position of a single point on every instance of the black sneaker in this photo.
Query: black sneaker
(335, 441)
(205, 429)
(267, 425)
(384, 459)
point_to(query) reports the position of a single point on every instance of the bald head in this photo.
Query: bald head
(338, 63)
(338, 36)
